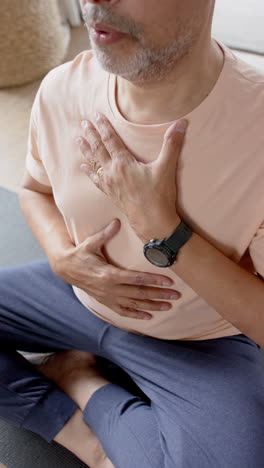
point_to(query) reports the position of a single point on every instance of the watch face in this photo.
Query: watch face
(157, 257)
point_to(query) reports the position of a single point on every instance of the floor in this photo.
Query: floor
(15, 106)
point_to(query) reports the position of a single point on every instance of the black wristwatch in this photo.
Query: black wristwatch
(163, 252)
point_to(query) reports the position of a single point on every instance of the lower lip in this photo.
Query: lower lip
(105, 38)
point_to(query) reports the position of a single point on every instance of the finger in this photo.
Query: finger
(97, 147)
(140, 278)
(90, 163)
(84, 148)
(172, 145)
(120, 310)
(131, 313)
(113, 143)
(102, 237)
(92, 174)
(146, 293)
(144, 305)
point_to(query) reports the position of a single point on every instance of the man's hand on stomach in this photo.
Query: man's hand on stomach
(128, 293)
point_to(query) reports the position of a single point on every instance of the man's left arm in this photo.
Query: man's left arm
(233, 292)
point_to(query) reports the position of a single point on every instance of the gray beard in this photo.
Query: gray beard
(145, 64)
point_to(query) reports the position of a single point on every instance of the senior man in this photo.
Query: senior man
(154, 133)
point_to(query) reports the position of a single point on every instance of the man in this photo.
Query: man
(196, 391)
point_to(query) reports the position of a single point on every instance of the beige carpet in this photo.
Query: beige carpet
(15, 107)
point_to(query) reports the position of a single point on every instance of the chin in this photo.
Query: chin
(131, 71)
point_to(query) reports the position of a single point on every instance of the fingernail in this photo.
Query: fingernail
(84, 124)
(97, 116)
(86, 167)
(78, 140)
(174, 296)
(165, 307)
(145, 316)
(166, 283)
(181, 126)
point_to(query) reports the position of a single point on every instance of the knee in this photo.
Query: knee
(103, 461)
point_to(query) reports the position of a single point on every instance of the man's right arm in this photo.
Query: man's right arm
(46, 222)
(126, 292)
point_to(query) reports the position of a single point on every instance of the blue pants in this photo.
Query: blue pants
(177, 404)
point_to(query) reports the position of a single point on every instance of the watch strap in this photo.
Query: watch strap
(179, 237)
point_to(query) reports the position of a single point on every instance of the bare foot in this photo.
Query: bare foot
(58, 366)
(75, 372)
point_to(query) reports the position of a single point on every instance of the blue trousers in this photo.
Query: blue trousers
(171, 404)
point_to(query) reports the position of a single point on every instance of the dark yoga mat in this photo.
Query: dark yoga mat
(18, 245)
(20, 448)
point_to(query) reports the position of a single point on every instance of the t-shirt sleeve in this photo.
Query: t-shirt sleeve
(256, 251)
(34, 163)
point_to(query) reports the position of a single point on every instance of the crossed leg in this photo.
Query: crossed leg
(42, 314)
(206, 398)
(76, 373)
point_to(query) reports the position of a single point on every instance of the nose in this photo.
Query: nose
(83, 3)
(93, 2)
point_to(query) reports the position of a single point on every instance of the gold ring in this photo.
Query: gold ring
(99, 171)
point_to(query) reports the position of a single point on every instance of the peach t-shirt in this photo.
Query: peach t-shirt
(220, 179)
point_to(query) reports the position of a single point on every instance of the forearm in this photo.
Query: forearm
(233, 292)
(45, 222)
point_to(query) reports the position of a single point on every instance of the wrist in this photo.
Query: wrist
(163, 252)
(160, 230)
(59, 259)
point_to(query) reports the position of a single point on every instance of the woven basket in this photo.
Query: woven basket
(33, 40)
